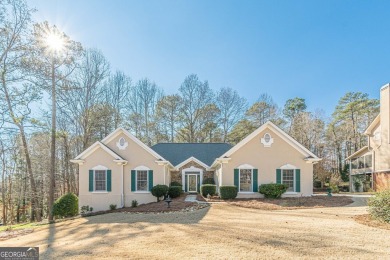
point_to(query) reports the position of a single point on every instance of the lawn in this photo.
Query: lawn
(220, 231)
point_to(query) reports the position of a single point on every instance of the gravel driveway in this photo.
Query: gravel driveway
(220, 231)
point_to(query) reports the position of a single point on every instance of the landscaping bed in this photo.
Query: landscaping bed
(292, 203)
(367, 220)
(177, 204)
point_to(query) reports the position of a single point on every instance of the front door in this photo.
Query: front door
(192, 183)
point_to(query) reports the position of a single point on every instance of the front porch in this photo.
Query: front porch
(191, 176)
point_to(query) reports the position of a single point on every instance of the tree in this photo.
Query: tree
(54, 60)
(117, 91)
(195, 95)
(292, 108)
(85, 92)
(242, 129)
(146, 94)
(231, 107)
(18, 96)
(168, 111)
(263, 110)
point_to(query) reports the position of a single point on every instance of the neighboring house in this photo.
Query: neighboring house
(370, 166)
(121, 168)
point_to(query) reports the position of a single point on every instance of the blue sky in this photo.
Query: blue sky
(318, 50)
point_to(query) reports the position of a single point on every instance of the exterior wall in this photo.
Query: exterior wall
(267, 160)
(99, 200)
(382, 152)
(136, 156)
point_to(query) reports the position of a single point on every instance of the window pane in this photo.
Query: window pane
(142, 180)
(354, 163)
(288, 178)
(245, 180)
(368, 161)
(361, 162)
(100, 180)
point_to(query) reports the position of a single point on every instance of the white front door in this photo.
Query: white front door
(192, 183)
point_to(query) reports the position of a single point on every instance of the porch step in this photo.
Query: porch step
(190, 198)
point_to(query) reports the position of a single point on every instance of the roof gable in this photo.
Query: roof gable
(96, 146)
(283, 135)
(120, 130)
(373, 124)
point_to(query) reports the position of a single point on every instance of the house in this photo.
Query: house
(120, 168)
(370, 166)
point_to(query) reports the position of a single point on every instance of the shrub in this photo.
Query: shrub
(159, 190)
(66, 206)
(379, 206)
(228, 192)
(134, 203)
(357, 184)
(175, 183)
(273, 190)
(174, 191)
(85, 209)
(208, 189)
(209, 181)
(112, 206)
(334, 188)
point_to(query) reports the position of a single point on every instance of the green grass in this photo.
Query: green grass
(18, 226)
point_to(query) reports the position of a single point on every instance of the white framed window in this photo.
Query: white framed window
(267, 140)
(100, 177)
(142, 180)
(246, 178)
(288, 178)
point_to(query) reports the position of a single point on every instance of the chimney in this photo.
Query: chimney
(385, 112)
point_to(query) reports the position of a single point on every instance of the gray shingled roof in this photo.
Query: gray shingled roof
(176, 153)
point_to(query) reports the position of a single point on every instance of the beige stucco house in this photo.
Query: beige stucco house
(370, 166)
(120, 168)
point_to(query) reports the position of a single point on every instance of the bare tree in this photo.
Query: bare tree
(13, 45)
(168, 113)
(117, 91)
(195, 95)
(232, 108)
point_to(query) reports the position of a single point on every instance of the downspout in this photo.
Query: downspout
(122, 195)
(164, 173)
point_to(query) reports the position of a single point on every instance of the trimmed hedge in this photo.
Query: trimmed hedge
(379, 206)
(209, 181)
(174, 191)
(175, 183)
(228, 192)
(208, 189)
(66, 206)
(159, 190)
(273, 190)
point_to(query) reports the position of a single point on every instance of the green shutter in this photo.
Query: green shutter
(150, 180)
(298, 180)
(278, 176)
(90, 180)
(236, 178)
(108, 180)
(186, 183)
(255, 185)
(198, 186)
(132, 180)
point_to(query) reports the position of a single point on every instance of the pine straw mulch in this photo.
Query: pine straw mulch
(292, 203)
(177, 204)
(367, 220)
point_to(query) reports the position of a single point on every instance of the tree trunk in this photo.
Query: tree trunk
(50, 201)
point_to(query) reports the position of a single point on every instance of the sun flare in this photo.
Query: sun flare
(55, 42)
